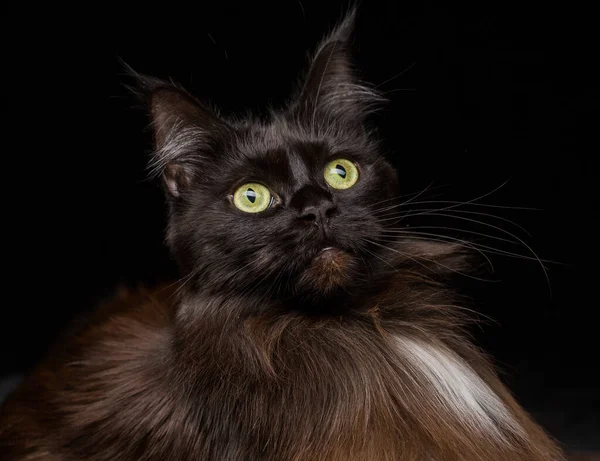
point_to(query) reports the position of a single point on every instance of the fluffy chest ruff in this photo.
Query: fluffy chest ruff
(341, 391)
(129, 387)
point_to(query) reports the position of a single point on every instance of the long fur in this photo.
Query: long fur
(268, 349)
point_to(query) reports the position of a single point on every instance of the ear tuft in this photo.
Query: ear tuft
(331, 91)
(186, 132)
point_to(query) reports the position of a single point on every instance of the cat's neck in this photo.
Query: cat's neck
(390, 304)
(438, 380)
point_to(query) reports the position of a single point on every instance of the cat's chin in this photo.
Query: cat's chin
(329, 271)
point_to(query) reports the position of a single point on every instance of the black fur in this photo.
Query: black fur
(272, 349)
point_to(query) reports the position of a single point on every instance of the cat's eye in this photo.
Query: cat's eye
(341, 173)
(252, 198)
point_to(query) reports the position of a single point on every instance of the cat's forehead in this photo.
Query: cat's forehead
(281, 157)
(277, 144)
(280, 150)
(281, 138)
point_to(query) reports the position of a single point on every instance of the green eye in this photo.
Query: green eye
(252, 198)
(341, 174)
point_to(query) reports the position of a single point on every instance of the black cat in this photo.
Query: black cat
(304, 329)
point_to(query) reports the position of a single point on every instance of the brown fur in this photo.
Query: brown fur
(335, 367)
(328, 271)
(269, 387)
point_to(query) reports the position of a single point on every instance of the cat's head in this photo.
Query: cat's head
(283, 206)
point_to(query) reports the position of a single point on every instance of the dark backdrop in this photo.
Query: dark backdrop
(478, 96)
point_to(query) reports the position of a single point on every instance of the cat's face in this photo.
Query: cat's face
(281, 207)
(284, 212)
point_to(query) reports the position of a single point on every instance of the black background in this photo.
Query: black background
(485, 94)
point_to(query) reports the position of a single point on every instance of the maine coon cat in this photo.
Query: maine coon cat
(300, 333)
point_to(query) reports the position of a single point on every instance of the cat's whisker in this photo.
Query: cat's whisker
(429, 279)
(397, 197)
(406, 202)
(413, 258)
(455, 204)
(424, 211)
(504, 231)
(489, 205)
(487, 194)
(462, 218)
(381, 259)
(466, 231)
(474, 201)
(445, 239)
(486, 248)
(419, 194)
(387, 208)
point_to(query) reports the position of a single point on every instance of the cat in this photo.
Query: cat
(303, 328)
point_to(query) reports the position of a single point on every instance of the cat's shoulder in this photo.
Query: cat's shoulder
(131, 319)
(149, 306)
(117, 352)
(126, 329)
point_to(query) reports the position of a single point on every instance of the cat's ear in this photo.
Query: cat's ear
(186, 133)
(186, 136)
(331, 91)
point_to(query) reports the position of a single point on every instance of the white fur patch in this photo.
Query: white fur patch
(460, 388)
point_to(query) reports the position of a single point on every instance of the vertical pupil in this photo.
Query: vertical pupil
(251, 195)
(340, 170)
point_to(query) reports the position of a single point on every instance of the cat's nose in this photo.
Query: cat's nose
(314, 205)
(318, 214)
